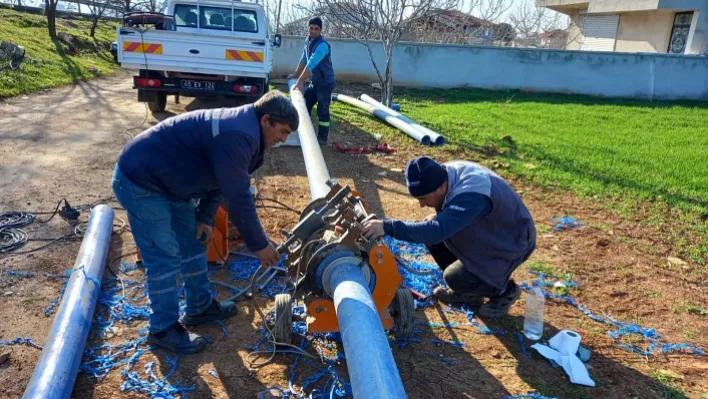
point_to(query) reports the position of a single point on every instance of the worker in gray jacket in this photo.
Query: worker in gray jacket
(481, 233)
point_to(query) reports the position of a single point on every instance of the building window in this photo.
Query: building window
(679, 32)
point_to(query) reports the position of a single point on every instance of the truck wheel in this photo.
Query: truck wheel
(160, 104)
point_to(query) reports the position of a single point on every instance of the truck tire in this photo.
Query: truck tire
(160, 104)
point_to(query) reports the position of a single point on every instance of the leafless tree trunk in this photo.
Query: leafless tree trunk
(531, 22)
(97, 8)
(50, 10)
(370, 20)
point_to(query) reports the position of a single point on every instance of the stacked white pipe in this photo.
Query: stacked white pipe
(429, 136)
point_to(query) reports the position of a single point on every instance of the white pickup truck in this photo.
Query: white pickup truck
(198, 48)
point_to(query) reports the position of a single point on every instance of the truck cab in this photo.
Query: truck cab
(198, 48)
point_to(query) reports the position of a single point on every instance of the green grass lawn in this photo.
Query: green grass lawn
(627, 154)
(49, 64)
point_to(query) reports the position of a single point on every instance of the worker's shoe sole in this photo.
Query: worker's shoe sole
(177, 339)
(216, 311)
(499, 306)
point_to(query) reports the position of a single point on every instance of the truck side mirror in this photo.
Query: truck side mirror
(277, 40)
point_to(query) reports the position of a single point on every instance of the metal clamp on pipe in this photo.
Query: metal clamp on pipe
(350, 285)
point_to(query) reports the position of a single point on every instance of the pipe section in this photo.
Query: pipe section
(435, 138)
(372, 369)
(55, 373)
(384, 116)
(317, 173)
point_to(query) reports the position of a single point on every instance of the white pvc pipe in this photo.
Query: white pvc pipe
(317, 173)
(435, 138)
(388, 118)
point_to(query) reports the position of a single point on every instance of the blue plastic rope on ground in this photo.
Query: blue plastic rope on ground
(456, 344)
(50, 275)
(21, 341)
(623, 328)
(523, 344)
(49, 309)
(565, 222)
(437, 325)
(527, 396)
(242, 269)
(20, 273)
(542, 282)
(223, 327)
(481, 328)
(414, 254)
(442, 359)
(403, 342)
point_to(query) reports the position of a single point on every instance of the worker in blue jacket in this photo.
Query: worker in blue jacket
(481, 233)
(171, 180)
(316, 65)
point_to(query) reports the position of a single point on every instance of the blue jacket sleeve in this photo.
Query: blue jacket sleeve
(320, 52)
(208, 206)
(459, 213)
(231, 153)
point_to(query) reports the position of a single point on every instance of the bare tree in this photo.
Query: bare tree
(50, 11)
(533, 22)
(489, 10)
(148, 5)
(97, 8)
(474, 22)
(369, 20)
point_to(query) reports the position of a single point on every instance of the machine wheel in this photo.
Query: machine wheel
(160, 104)
(402, 310)
(283, 329)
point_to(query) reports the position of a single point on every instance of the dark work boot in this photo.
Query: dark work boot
(177, 339)
(216, 311)
(322, 135)
(499, 306)
(450, 297)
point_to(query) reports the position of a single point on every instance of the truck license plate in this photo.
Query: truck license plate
(195, 84)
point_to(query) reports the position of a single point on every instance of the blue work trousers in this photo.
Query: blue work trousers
(165, 232)
(322, 96)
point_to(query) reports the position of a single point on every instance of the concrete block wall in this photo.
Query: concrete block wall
(626, 75)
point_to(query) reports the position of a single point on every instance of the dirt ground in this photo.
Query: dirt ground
(64, 142)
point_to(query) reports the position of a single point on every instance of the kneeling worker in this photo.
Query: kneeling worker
(481, 233)
(205, 155)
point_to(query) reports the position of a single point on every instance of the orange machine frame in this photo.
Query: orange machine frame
(322, 317)
(218, 250)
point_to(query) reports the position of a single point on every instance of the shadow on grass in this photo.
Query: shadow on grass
(72, 68)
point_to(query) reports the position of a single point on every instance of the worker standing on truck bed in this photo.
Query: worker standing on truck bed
(205, 155)
(316, 64)
(481, 233)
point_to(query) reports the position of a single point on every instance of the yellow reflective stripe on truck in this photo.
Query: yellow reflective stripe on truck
(148, 48)
(241, 55)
